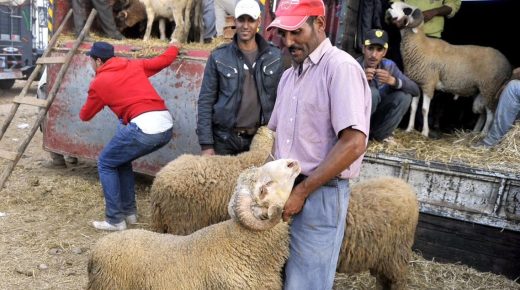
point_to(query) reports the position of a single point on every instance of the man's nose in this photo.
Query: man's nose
(288, 40)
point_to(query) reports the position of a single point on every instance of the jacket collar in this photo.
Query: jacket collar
(260, 41)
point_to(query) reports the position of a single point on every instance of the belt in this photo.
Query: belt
(301, 177)
(245, 132)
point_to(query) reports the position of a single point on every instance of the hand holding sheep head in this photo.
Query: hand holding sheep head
(261, 193)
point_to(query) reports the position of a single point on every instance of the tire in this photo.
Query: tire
(6, 84)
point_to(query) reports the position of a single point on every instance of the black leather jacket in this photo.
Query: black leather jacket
(220, 93)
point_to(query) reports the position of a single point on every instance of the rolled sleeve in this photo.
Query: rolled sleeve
(454, 5)
(350, 99)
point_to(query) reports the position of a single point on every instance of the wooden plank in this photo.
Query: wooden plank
(31, 101)
(481, 247)
(50, 60)
(8, 155)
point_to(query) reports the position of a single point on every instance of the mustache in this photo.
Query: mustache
(294, 47)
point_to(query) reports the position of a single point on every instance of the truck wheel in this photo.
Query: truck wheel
(6, 84)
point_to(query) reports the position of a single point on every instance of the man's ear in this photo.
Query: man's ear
(320, 23)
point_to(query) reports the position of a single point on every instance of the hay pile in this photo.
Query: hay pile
(140, 48)
(455, 149)
(424, 274)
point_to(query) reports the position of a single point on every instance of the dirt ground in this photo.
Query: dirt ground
(46, 233)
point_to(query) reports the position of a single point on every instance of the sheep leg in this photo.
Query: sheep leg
(480, 123)
(382, 282)
(150, 14)
(489, 119)
(162, 28)
(178, 33)
(199, 26)
(187, 19)
(425, 110)
(413, 111)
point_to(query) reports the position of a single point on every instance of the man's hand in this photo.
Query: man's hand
(429, 14)
(370, 73)
(384, 77)
(208, 152)
(295, 202)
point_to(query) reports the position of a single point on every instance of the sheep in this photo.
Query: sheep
(247, 252)
(382, 218)
(381, 221)
(134, 12)
(463, 70)
(172, 10)
(191, 185)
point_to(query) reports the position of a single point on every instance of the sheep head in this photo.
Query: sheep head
(133, 13)
(403, 15)
(261, 193)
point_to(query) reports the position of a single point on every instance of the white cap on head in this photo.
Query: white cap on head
(247, 7)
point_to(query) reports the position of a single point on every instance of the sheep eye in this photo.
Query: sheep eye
(263, 192)
(407, 11)
(269, 183)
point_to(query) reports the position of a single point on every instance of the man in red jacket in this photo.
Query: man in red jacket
(145, 125)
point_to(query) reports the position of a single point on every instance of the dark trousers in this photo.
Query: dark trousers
(106, 18)
(387, 112)
(231, 143)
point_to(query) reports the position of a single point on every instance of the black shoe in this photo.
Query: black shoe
(208, 40)
(116, 36)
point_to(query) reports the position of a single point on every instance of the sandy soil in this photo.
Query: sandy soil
(46, 233)
(45, 214)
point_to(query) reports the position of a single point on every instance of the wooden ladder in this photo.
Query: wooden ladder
(11, 157)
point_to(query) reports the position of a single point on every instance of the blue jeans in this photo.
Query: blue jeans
(387, 112)
(115, 168)
(508, 111)
(316, 237)
(208, 18)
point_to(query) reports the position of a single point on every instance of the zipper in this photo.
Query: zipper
(234, 69)
(265, 66)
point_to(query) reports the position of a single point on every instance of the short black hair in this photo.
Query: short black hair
(311, 19)
(103, 60)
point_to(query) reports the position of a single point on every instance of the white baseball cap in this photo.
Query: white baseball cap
(247, 7)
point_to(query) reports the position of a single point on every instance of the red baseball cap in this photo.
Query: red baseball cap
(292, 14)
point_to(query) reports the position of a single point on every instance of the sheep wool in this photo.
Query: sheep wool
(192, 192)
(246, 252)
(463, 70)
(221, 256)
(382, 217)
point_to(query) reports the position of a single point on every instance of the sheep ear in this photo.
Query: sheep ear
(274, 212)
(417, 18)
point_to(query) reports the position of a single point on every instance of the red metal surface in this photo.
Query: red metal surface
(61, 8)
(178, 84)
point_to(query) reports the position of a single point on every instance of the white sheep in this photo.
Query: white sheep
(382, 217)
(247, 252)
(463, 70)
(192, 191)
(176, 10)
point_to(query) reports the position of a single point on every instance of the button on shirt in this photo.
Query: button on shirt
(329, 95)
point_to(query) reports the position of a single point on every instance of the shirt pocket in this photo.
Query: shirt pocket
(270, 74)
(228, 78)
